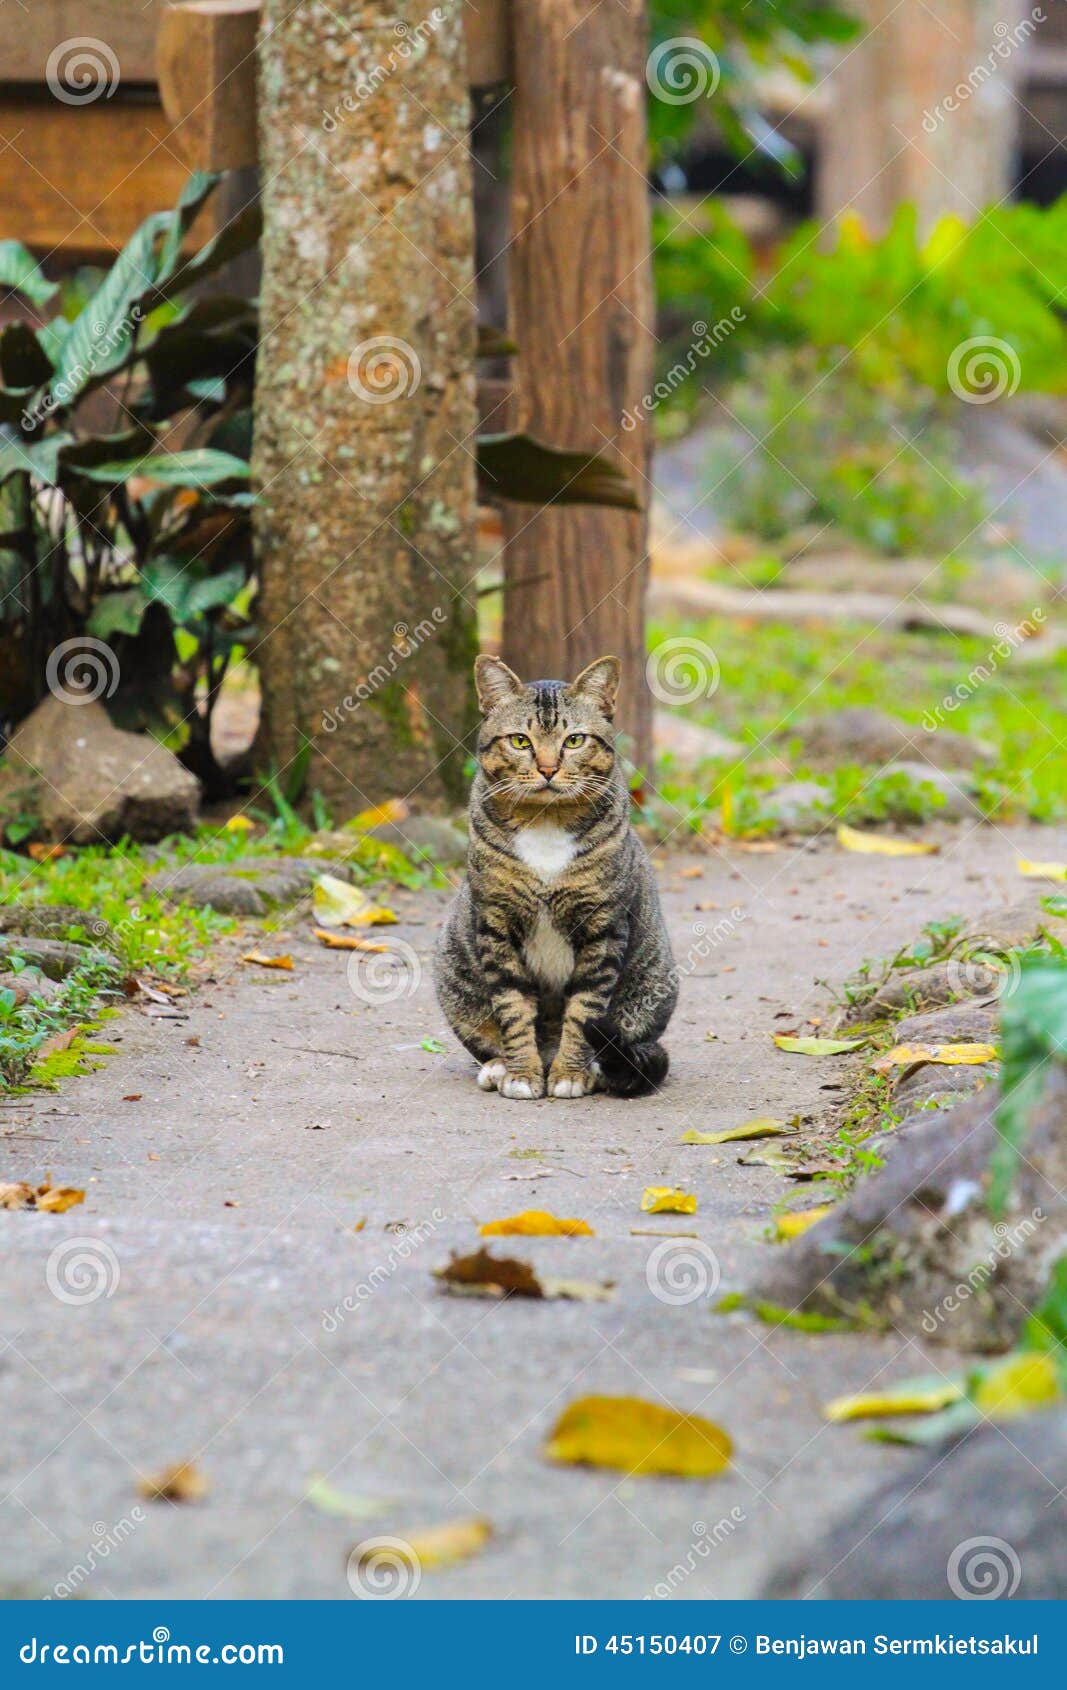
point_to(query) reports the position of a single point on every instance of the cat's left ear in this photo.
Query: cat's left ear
(600, 682)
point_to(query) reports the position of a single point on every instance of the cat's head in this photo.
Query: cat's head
(546, 745)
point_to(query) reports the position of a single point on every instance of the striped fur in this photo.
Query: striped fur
(554, 955)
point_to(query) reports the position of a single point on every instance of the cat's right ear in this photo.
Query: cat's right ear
(495, 682)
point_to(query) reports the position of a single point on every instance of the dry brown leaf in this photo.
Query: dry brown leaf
(637, 1437)
(41, 853)
(57, 1199)
(59, 1041)
(262, 960)
(536, 1223)
(181, 1483)
(485, 1275)
(17, 1196)
(345, 941)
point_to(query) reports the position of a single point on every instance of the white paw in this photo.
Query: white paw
(490, 1074)
(575, 1085)
(516, 1086)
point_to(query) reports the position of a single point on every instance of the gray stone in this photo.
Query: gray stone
(953, 786)
(28, 987)
(54, 921)
(986, 1517)
(85, 781)
(973, 1023)
(54, 957)
(425, 840)
(802, 806)
(926, 988)
(247, 886)
(864, 735)
(690, 742)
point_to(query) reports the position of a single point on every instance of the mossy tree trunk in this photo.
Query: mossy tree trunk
(363, 455)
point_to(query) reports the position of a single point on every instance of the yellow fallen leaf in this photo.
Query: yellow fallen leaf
(345, 941)
(906, 1056)
(667, 1200)
(921, 1396)
(181, 1483)
(239, 824)
(337, 904)
(262, 960)
(1018, 1385)
(379, 815)
(1042, 871)
(57, 1199)
(883, 845)
(441, 1546)
(761, 1126)
(17, 1196)
(791, 1225)
(536, 1223)
(635, 1437)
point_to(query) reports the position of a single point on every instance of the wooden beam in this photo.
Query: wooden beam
(34, 32)
(206, 64)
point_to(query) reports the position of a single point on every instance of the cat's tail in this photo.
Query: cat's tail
(628, 1068)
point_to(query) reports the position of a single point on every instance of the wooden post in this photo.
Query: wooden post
(581, 313)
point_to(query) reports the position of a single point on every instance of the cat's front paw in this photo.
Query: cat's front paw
(571, 1082)
(491, 1073)
(525, 1083)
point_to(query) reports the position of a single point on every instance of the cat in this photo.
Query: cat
(554, 952)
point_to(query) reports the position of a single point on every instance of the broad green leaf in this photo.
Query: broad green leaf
(120, 612)
(199, 466)
(1033, 1029)
(816, 1047)
(39, 458)
(20, 271)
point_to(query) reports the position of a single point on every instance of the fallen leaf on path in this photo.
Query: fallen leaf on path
(536, 1223)
(815, 1047)
(239, 824)
(183, 1482)
(668, 1200)
(1018, 1385)
(17, 1196)
(1042, 871)
(434, 1046)
(441, 1546)
(262, 960)
(907, 1056)
(914, 1396)
(797, 1221)
(485, 1275)
(41, 853)
(345, 941)
(768, 1156)
(52, 1199)
(328, 1500)
(379, 815)
(883, 845)
(635, 1437)
(760, 1126)
(60, 1041)
(659, 1232)
(337, 904)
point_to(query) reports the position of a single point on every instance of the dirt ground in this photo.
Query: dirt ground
(245, 1325)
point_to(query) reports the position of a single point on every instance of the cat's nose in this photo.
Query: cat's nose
(547, 769)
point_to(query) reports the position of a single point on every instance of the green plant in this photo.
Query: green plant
(119, 532)
(1033, 1034)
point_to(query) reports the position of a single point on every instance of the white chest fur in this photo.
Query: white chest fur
(546, 849)
(548, 954)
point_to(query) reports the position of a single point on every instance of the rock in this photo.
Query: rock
(802, 806)
(246, 886)
(861, 734)
(425, 840)
(954, 787)
(913, 1245)
(85, 781)
(1011, 927)
(933, 1082)
(28, 987)
(926, 988)
(985, 1517)
(933, 1085)
(53, 957)
(965, 1023)
(54, 921)
(689, 742)
(848, 571)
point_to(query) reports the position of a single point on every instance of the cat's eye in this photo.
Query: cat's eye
(573, 741)
(521, 742)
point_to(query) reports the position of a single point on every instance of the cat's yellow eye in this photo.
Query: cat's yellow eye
(521, 742)
(572, 741)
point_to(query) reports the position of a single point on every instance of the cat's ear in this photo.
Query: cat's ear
(495, 682)
(600, 682)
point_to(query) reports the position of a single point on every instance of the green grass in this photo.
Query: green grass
(774, 676)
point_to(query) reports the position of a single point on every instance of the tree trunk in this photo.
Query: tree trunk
(921, 109)
(365, 396)
(581, 313)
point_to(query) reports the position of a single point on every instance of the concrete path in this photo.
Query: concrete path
(227, 1158)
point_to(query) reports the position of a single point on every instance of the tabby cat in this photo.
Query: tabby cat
(555, 954)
